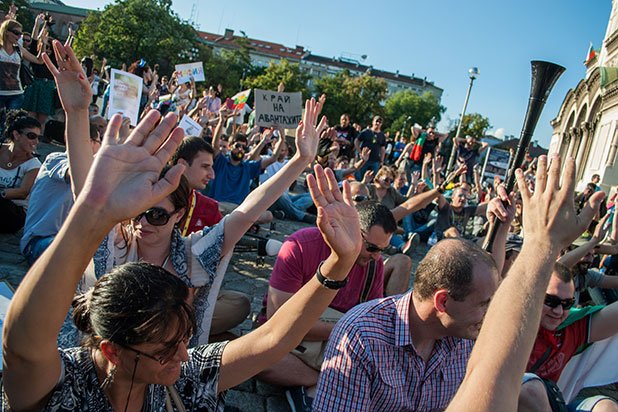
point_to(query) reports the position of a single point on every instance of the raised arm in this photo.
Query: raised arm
(124, 180)
(216, 136)
(340, 227)
(260, 199)
(264, 163)
(571, 258)
(75, 96)
(503, 209)
(493, 376)
(415, 203)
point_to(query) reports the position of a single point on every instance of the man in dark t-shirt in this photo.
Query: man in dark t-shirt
(453, 216)
(346, 134)
(374, 139)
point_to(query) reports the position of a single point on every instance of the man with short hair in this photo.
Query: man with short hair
(409, 352)
(296, 264)
(374, 139)
(563, 333)
(346, 135)
(453, 216)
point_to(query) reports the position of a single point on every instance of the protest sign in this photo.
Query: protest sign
(184, 72)
(125, 95)
(496, 164)
(275, 109)
(190, 126)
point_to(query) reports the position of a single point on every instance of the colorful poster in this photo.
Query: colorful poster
(125, 95)
(278, 109)
(190, 126)
(184, 72)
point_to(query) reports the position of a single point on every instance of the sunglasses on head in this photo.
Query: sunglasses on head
(16, 32)
(32, 135)
(156, 216)
(359, 198)
(553, 301)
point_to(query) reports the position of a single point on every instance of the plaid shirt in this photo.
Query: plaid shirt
(371, 364)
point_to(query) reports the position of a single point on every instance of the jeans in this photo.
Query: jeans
(374, 166)
(13, 102)
(294, 206)
(36, 247)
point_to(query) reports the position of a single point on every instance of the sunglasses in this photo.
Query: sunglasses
(240, 146)
(156, 216)
(371, 248)
(33, 136)
(359, 198)
(553, 301)
(16, 32)
(387, 179)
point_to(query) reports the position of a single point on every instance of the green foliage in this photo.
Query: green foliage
(474, 125)
(24, 15)
(294, 79)
(129, 30)
(359, 96)
(421, 110)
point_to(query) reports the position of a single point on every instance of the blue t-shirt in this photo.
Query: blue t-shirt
(51, 199)
(233, 183)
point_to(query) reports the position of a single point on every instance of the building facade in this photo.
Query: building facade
(263, 52)
(586, 127)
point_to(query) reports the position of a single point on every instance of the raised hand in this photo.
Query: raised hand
(501, 207)
(73, 87)
(337, 216)
(549, 213)
(601, 229)
(125, 176)
(307, 133)
(368, 177)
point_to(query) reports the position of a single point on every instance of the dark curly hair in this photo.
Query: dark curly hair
(18, 120)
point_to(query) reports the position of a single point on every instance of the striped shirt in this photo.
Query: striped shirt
(371, 364)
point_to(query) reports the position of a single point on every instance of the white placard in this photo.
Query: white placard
(190, 126)
(125, 95)
(275, 109)
(184, 72)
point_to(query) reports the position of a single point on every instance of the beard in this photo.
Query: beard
(238, 156)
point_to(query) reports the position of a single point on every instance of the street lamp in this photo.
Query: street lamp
(473, 73)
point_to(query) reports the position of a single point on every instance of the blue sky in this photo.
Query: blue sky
(439, 39)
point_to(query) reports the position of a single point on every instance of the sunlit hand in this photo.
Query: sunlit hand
(307, 133)
(337, 217)
(73, 87)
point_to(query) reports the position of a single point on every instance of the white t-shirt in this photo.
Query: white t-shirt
(10, 85)
(12, 178)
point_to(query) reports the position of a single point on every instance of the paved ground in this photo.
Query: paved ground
(245, 274)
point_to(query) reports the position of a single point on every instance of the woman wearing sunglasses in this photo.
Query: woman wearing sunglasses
(200, 259)
(138, 318)
(11, 54)
(18, 168)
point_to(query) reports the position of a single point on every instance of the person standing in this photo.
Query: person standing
(374, 139)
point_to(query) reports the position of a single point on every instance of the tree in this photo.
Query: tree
(228, 69)
(358, 96)
(406, 103)
(474, 125)
(24, 15)
(290, 74)
(129, 30)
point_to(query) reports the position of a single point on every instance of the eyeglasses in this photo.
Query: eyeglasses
(163, 356)
(16, 32)
(553, 301)
(156, 216)
(359, 198)
(372, 248)
(32, 135)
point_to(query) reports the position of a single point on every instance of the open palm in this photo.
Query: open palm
(125, 176)
(308, 131)
(73, 87)
(337, 217)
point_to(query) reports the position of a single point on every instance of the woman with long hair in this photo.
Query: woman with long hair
(18, 168)
(11, 54)
(137, 318)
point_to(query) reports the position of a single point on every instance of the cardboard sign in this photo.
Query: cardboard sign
(125, 95)
(496, 164)
(190, 126)
(184, 72)
(275, 109)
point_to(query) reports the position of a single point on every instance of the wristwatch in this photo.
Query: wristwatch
(329, 283)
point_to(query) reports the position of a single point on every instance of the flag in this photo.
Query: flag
(592, 53)
(608, 75)
(240, 98)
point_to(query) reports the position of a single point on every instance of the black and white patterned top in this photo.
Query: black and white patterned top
(80, 388)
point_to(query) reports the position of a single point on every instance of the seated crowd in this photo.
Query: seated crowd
(129, 233)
